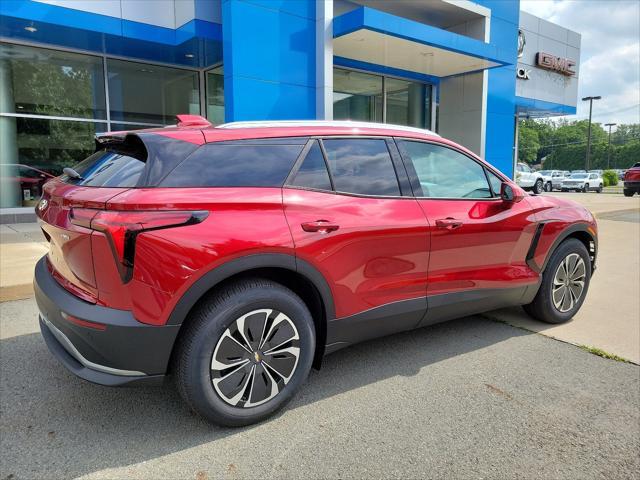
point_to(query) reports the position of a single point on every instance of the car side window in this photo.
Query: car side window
(313, 171)
(240, 165)
(445, 173)
(495, 181)
(361, 166)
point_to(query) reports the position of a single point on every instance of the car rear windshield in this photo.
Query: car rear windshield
(107, 168)
(579, 175)
(238, 165)
(117, 163)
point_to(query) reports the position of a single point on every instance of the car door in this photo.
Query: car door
(479, 243)
(363, 232)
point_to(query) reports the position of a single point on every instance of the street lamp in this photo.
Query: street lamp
(609, 147)
(590, 99)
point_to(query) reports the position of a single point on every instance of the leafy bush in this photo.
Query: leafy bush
(610, 178)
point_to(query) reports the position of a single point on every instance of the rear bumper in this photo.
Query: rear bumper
(123, 352)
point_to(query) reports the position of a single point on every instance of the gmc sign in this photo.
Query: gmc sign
(557, 64)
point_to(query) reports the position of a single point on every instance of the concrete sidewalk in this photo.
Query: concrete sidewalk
(21, 246)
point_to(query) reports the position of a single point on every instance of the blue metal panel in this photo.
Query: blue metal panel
(540, 108)
(392, 25)
(269, 61)
(501, 88)
(499, 140)
(59, 26)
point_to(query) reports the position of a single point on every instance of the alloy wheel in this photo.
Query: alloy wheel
(568, 282)
(255, 358)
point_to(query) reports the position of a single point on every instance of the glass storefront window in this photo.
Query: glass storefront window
(40, 81)
(36, 150)
(144, 93)
(215, 95)
(360, 96)
(408, 103)
(357, 96)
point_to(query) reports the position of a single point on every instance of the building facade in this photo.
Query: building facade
(467, 69)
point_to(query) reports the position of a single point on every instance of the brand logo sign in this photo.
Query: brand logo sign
(522, 41)
(557, 64)
(523, 73)
(43, 204)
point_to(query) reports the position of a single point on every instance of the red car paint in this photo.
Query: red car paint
(384, 249)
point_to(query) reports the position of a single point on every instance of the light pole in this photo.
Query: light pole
(590, 99)
(609, 147)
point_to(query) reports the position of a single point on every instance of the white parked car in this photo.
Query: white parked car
(552, 179)
(583, 182)
(528, 179)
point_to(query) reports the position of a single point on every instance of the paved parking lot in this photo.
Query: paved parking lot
(470, 398)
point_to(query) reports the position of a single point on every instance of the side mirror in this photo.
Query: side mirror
(508, 194)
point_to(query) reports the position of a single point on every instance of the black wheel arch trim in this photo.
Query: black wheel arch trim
(250, 262)
(563, 235)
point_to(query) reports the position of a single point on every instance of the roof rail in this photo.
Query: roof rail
(186, 120)
(324, 123)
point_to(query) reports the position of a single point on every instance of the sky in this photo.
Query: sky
(610, 53)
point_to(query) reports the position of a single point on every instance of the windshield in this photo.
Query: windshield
(579, 175)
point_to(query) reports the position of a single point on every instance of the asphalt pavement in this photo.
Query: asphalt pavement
(469, 398)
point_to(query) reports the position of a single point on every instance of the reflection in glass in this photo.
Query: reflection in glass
(38, 150)
(144, 93)
(215, 95)
(408, 103)
(357, 96)
(49, 82)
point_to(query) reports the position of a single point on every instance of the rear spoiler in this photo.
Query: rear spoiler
(127, 143)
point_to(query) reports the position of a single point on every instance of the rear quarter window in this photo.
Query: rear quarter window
(240, 165)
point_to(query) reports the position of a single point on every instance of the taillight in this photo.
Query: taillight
(122, 228)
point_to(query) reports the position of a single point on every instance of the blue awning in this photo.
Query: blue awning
(371, 36)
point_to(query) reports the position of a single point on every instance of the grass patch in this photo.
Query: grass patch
(601, 353)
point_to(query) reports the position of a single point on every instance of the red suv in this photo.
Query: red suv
(234, 258)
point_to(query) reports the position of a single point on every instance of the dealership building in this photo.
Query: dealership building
(70, 69)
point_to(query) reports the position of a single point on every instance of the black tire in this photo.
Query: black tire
(585, 188)
(538, 187)
(548, 187)
(628, 192)
(599, 190)
(542, 307)
(193, 362)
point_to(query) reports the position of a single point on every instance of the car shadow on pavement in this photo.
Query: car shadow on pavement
(56, 425)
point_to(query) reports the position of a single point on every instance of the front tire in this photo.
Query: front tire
(565, 282)
(538, 187)
(246, 350)
(585, 188)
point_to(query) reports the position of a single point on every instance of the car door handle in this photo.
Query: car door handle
(321, 226)
(448, 223)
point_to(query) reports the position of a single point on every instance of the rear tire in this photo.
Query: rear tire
(599, 190)
(628, 192)
(223, 365)
(548, 187)
(549, 304)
